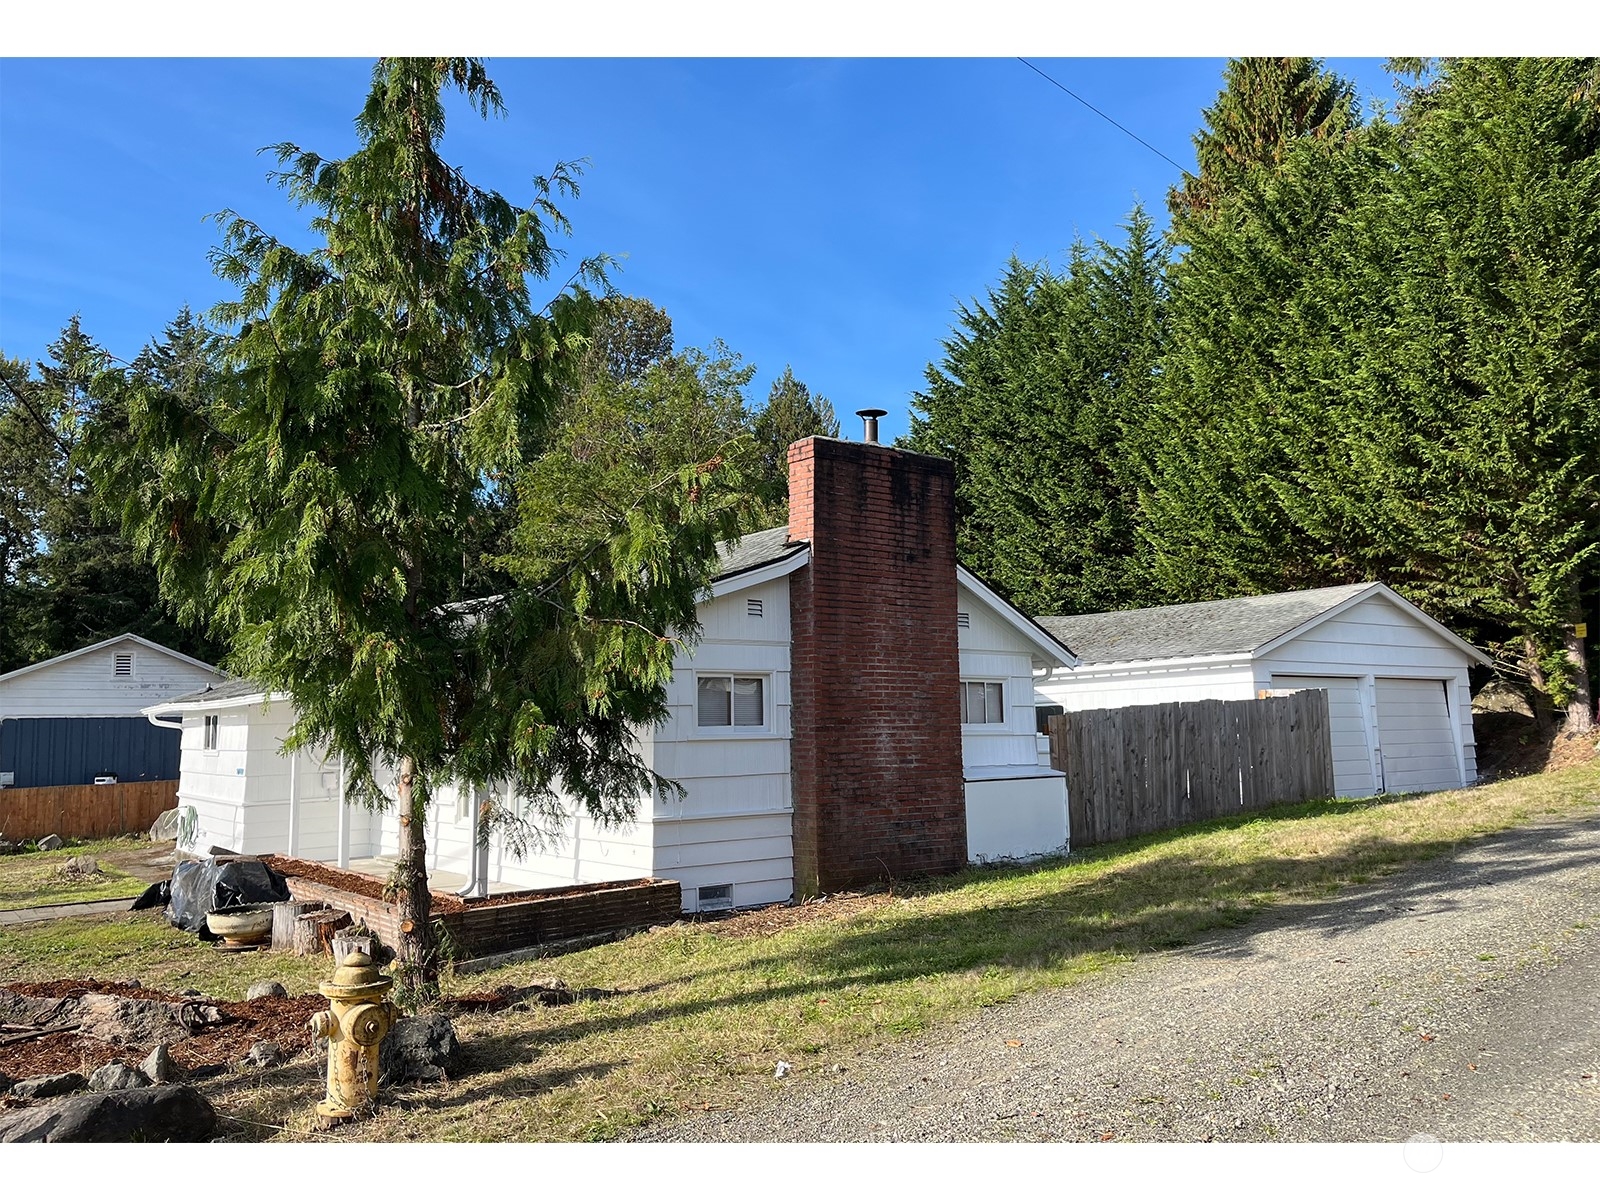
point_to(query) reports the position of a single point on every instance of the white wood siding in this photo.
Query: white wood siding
(1373, 638)
(991, 650)
(86, 687)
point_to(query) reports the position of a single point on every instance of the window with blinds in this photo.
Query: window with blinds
(982, 703)
(732, 701)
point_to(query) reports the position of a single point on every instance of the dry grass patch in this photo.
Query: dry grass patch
(38, 877)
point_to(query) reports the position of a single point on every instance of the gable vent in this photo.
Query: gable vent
(714, 897)
(963, 620)
(123, 668)
(753, 608)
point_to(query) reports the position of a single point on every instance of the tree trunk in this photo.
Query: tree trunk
(1543, 711)
(417, 967)
(1580, 713)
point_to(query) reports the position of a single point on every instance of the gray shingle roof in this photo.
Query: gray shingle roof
(1185, 630)
(228, 689)
(755, 550)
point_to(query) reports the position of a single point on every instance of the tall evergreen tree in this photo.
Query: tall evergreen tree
(791, 413)
(1041, 402)
(385, 392)
(1266, 106)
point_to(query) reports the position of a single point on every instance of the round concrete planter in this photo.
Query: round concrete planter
(242, 925)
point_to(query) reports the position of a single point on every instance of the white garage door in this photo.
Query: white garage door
(1352, 757)
(1414, 738)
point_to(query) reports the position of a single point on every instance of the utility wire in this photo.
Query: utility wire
(1098, 113)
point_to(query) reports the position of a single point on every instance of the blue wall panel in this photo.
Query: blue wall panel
(55, 751)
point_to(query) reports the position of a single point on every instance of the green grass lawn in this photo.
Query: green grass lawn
(35, 878)
(706, 1009)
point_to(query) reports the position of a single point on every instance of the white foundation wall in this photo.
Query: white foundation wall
(1016, 819)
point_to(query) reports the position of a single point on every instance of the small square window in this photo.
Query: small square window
(211, 724)
(982, 703)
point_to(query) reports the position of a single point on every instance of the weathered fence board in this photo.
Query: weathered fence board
(1157, 766)
(85, 810)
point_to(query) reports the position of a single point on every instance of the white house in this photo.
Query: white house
(1398, 697)
(78, 715)
(857, 701)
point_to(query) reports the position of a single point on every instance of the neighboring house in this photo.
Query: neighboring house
(859, 706)
(79, 715)
(1399, 704)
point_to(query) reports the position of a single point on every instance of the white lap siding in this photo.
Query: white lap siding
(1365, 645)
(1016, 806)
(733, 824)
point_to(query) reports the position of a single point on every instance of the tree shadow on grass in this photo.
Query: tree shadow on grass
(1176, 900)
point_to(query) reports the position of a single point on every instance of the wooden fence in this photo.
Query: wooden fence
(85, 810)
(1157, 766)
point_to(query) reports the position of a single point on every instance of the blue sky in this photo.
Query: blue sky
(827, 214)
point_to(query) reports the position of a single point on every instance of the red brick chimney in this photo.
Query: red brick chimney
(876, 747)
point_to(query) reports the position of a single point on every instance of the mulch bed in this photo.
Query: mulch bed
(285, 1021)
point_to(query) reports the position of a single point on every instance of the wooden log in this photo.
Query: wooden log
(284, 917)
(313, 932)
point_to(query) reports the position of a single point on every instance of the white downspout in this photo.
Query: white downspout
(477, 856)
(294, 805)
(344, 820)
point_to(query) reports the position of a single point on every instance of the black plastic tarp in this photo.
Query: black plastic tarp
(205, 885)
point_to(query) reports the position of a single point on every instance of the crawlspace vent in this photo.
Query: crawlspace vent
(714, 897)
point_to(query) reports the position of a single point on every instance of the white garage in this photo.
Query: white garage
(1398, 699)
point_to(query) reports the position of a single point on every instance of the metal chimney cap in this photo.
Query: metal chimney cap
(869, 418)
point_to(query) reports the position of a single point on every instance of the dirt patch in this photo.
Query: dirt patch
(151, 861)
(285, 1021)
(760, 922)
(1510, 744)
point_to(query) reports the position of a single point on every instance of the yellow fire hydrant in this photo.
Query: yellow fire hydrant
(358, 1020)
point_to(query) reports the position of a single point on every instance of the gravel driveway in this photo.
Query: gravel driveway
(1459, 1000)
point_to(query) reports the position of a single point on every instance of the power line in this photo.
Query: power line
(1098, 113)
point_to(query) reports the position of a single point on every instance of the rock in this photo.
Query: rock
(265, 1054)
(43, 1087)
(422, 1047)
(115, 1077)
(123, 1021)
(267, 989)
(175, 1113)
(82, 864)
(166, 827)
(157, 1065)
(50, 842)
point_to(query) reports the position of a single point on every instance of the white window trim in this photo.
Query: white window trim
(732, 732)
(1005, 705)
(206, 727)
